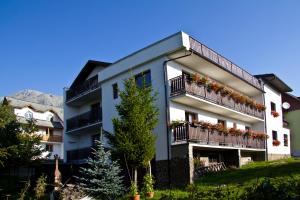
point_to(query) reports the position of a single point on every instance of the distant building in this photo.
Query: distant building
(278, 144)
(292, 119)
(49, 120)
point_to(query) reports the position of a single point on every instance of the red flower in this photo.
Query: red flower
(276, 142)
(275, 114)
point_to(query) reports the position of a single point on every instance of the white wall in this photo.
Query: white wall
(157, 79)
(275, 124)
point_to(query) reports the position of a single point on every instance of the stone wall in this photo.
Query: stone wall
(277, 156)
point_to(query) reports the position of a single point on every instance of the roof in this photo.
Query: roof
(17, 103)
(86, 70)
(275, 82)
(42, 123)
(292, 100)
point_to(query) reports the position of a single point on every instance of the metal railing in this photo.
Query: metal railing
(188, 133)
(224, 63)
(83, 88)
(79, 154)
(85, 119)
(181, 85)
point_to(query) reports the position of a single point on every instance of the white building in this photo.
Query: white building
(173, 67)
(279, 141)
(49, 121)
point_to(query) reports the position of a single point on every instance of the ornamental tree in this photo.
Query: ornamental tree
(133, 137)
(101, 179)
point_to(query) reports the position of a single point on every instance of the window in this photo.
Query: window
(187, 76)
(234, 125)
(28, 115)
(115, 90)
(274, 135)
(285, 140)
(190, 117)
(49, 147)
(223, 122)
(273, 106)
(143, 79)
(95, 110)
(50, 132)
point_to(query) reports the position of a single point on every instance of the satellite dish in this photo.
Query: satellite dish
(286, 105)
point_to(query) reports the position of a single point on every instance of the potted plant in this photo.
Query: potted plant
(274, 113)
(148, 186)
(276, 142)
(133, 192)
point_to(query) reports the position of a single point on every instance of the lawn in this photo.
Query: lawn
(243, 176)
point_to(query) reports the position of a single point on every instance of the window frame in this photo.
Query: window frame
(115, 89)
(285, 140)
(276, 135)
(143, 76)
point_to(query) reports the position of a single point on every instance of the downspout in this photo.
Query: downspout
(166, 82)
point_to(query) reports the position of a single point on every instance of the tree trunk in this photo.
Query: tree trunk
(150, 173)
(135, 176)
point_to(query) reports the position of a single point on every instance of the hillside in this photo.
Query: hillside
(39, 97)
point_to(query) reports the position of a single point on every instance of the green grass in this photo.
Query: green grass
(253, 171)
(244, 175)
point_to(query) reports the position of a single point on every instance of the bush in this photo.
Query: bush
(40, 187)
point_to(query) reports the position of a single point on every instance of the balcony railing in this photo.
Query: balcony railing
(180, 85)
(224, 63)
(84, 119)
(83, 88)
(79, 154)
(188, 133)
(52, 138)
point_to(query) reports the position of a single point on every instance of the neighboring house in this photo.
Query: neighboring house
(176, 67)
(292, 119)
(279, 142)
(48, 120)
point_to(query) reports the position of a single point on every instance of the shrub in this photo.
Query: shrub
(40, 187)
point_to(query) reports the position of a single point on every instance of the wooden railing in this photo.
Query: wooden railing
(83, 88)
(79, 154)
(188, 133)
(180, 85)
(85, 119)
(224, 63)
(52, 138)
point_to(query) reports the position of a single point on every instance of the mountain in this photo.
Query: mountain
(39, 97)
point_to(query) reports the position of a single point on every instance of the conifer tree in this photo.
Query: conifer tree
(101, 178)
(133, 136)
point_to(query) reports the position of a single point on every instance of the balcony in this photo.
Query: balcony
(79, 155)
(188, 133)
(86, 92)
(224, 63)
(189, 93)
(52, 138)
(86, 122)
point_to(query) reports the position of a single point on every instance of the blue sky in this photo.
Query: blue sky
(44, 44)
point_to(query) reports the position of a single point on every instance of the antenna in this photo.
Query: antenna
(286, 105)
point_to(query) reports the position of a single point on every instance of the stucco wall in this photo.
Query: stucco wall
(157, 79)
(275, 124)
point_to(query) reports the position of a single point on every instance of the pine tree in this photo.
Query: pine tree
(133, 136)
(101, 179)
